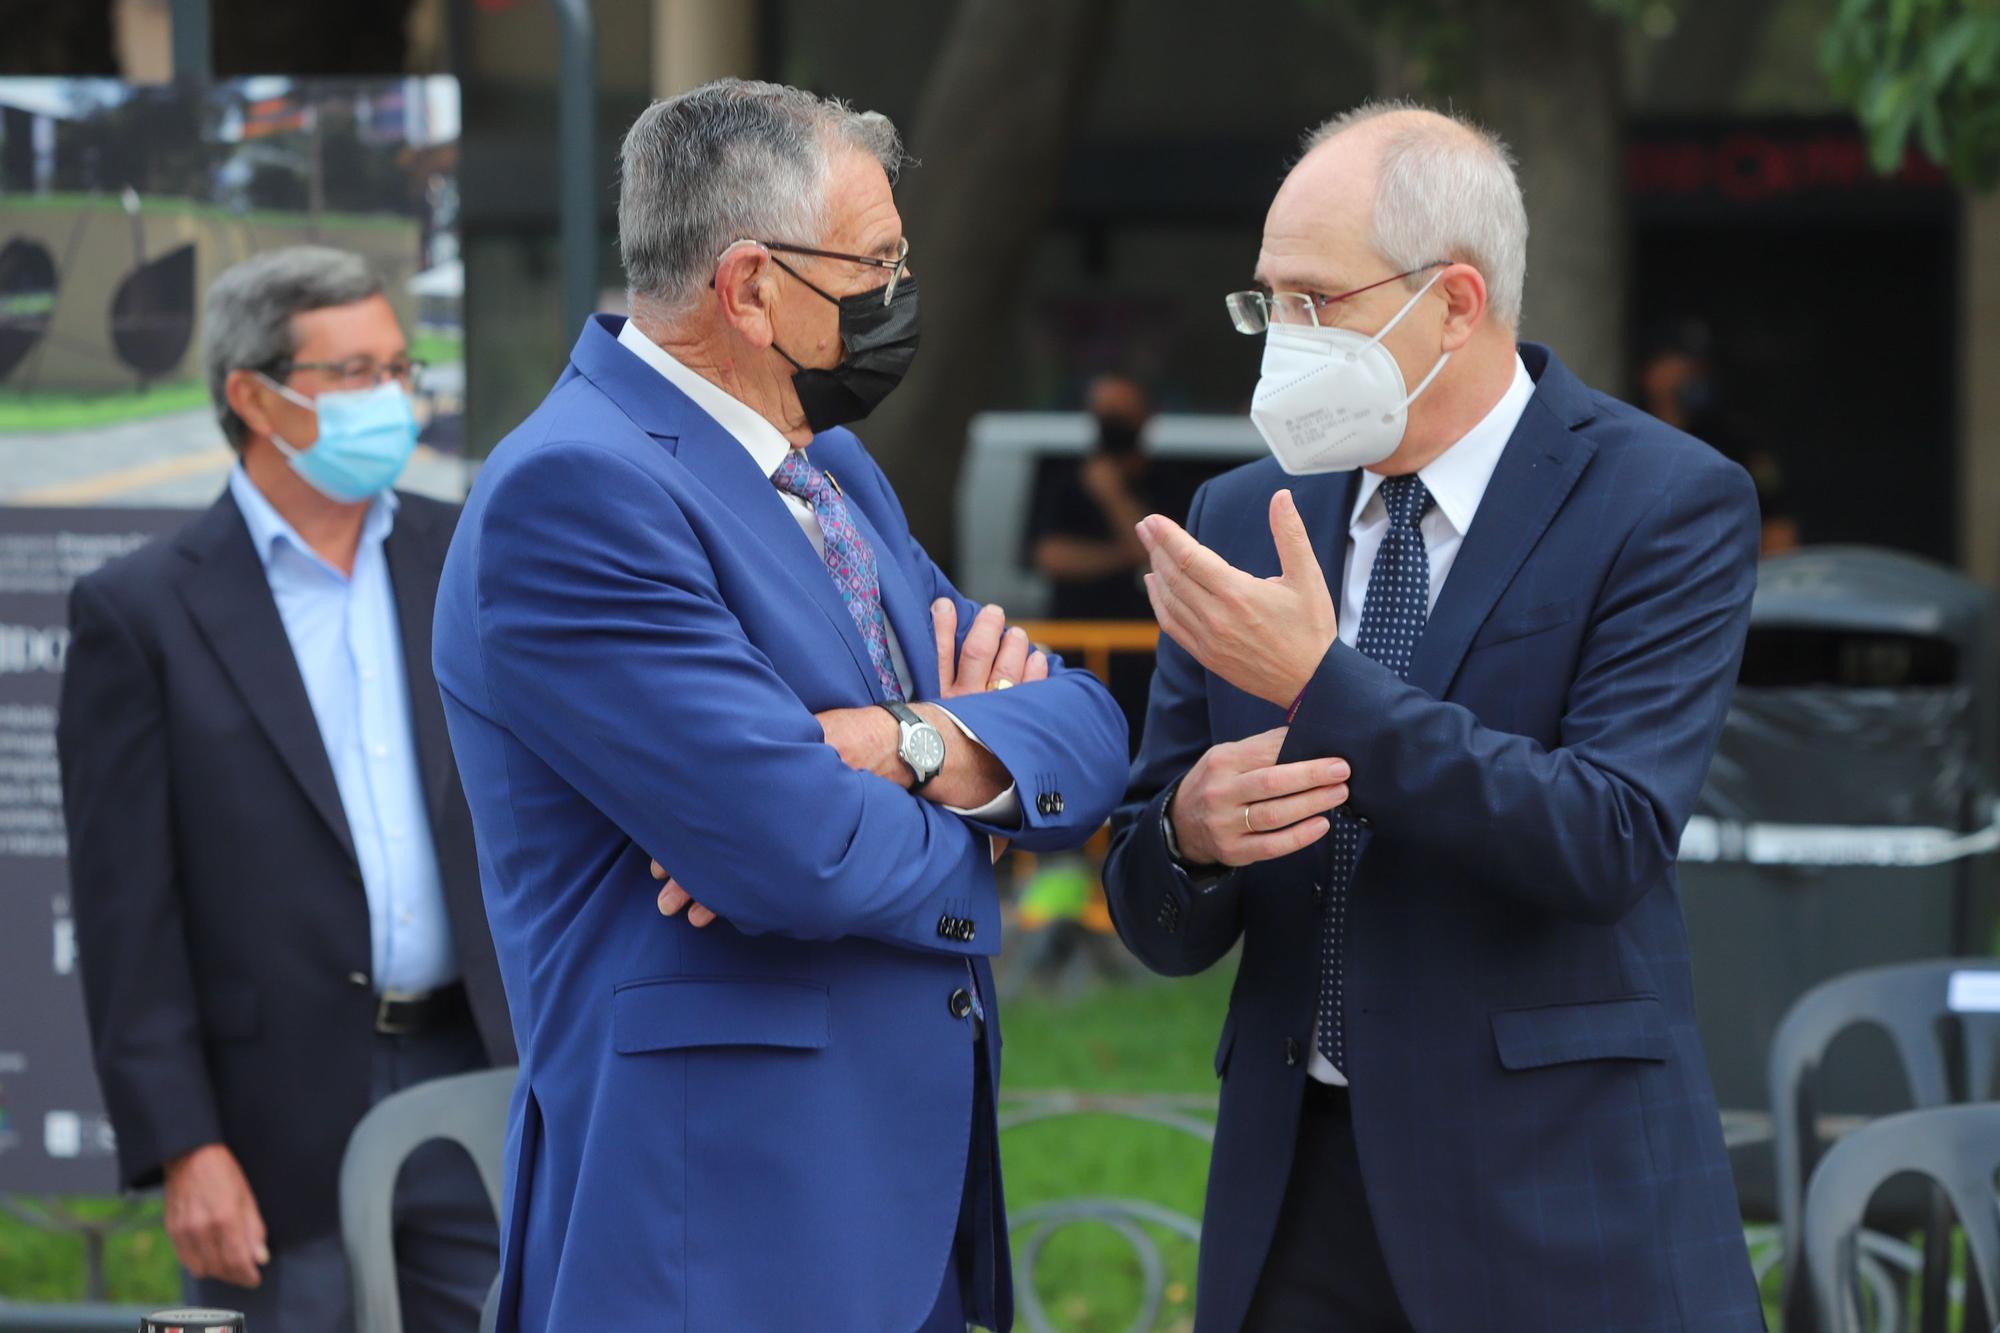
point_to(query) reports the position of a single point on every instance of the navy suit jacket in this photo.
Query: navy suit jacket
(1534, 1118)
(762, 1124)
(224, 930)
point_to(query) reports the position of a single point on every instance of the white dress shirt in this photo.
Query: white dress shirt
(768, 448)
(346, 640)
(1457, 480)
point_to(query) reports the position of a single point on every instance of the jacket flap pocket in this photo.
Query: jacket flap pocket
(675, 1013)
(1505, 626)
(1628, 1029)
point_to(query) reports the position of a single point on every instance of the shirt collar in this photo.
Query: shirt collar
(743, 422)
(270, 529)
(1458, 477)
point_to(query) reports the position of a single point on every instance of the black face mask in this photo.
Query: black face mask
(1119, 439)
(880, 341)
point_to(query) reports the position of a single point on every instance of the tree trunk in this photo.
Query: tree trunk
(1701, 64)
(1547, 77)
(998, 112)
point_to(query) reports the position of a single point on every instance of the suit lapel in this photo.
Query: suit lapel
(1539, 466)
(230, 600)
(414, 564)
(726, 468)
(722, 464)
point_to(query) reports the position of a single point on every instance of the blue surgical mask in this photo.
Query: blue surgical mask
(366, 437)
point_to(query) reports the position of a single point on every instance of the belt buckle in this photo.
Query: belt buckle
(394, 1027)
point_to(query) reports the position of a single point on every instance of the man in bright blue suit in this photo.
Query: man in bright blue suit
(1425, 731)
(684, 628)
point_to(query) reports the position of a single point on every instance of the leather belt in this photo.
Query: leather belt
(406, 1013)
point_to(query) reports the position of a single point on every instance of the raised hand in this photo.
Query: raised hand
(1264, 636)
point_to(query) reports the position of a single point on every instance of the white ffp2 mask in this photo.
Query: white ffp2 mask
(1330, 400)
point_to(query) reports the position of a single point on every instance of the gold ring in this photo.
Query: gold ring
(1246, 820)
(1001, 684)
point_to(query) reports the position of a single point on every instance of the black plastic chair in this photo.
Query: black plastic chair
(467, 1109)
(1958, 1147)
(1946, 1057)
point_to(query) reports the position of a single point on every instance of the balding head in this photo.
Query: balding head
(1422, 187)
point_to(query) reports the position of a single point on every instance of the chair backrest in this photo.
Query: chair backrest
(466, 1109)
(1908, 1002)
(1956, 1146)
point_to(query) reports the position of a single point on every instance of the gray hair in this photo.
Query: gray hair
(731, 160)
(1445, 189)
(247, 321)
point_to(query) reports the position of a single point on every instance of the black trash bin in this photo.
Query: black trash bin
(1848, 815)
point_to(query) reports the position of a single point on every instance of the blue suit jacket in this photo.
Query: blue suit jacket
(762, 1124)
(1534, 1117)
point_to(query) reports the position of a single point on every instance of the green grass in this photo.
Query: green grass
(1151, 1036)
(435, 349)
(166, 205)
(139, 1265)
(67, 410)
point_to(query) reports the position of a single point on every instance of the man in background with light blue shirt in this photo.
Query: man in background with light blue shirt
(271, 860)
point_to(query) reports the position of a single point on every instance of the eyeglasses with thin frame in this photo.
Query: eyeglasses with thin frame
(357, 372)
(1254, 311)
(899, 267)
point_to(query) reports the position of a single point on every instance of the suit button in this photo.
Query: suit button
(358, 979)
(1057, 801)
(945, 926)
(970, 931)
(1319, 894)
(1363, 820)
(1044, 805)
(1291, 1051)
(960, 1003)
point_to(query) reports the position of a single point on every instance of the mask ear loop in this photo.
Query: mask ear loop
(297, 399)
(1376, 341)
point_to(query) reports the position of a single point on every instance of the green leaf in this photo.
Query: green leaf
(1949, 48)
(1930, 133)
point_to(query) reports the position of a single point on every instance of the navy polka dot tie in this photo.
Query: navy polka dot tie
(1392, 620)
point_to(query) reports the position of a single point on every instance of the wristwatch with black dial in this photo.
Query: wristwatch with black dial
(921, 747)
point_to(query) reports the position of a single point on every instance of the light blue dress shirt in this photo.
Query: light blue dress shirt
(349, 647)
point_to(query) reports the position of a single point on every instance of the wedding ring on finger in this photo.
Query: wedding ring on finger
(1246, 820)
(1001, 684)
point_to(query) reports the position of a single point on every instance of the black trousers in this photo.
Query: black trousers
(1325, 1269)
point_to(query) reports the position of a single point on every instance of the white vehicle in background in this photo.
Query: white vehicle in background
(1013, 457)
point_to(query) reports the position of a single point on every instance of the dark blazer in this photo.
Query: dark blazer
(1534, 1118)
(222, 928)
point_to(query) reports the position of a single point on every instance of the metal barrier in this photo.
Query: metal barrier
(1192, 1114)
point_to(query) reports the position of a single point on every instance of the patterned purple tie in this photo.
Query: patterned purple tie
(849, 559)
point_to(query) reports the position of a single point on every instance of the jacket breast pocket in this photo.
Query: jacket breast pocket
(1632, 1028)
(682, 1013)
(1505, 627)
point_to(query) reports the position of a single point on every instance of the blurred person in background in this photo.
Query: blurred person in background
(1085, 537)
(684, 633)
(271, 859)
(1677, 383)
(1437, 687)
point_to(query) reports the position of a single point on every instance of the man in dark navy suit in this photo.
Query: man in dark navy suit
(271, 858)
(1426, 727)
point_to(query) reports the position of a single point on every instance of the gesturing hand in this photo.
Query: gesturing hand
(212, 1217)
(1238, 806)
(994, 657)
(1264, 636)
